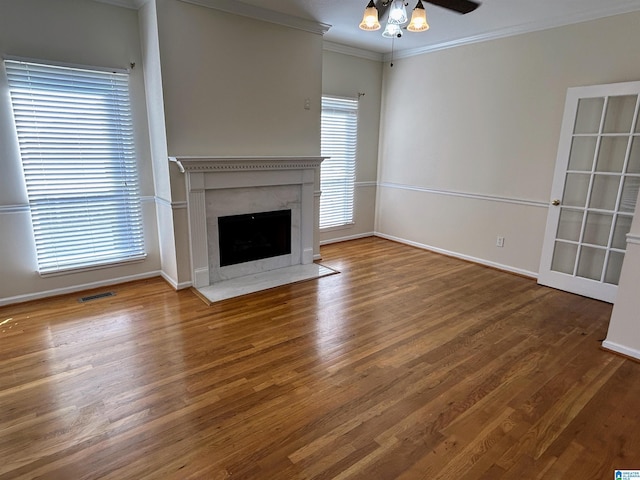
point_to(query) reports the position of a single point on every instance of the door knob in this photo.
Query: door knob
(555, 203)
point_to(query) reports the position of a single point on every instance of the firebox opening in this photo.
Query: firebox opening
(254, 236)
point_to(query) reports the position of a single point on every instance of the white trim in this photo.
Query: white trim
(204, 164)
(353, 51)
(633, 238)
(347, 238)
(365, 184)
(258, 13)
(174, 283)
(616, 347)
(130, 4)
(476, 196)
(14, 208)
(546, 24)
(461, 256)
(173, 205)
(76, 288)
(77, 66)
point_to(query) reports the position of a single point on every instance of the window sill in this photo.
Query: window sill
(88, 268)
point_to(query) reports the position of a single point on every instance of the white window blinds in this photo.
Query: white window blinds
(76, 143)
(337, 178)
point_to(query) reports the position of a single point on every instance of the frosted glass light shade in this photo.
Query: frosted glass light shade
(398, 13)
(370, 18)
(392, 30)
(418, 19)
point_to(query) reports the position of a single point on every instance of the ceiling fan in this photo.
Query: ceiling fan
(398, 14)
(460, 6)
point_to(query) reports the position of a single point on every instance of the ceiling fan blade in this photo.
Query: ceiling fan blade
(460, 6)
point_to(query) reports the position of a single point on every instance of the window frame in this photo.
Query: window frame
(338, 172)
(77, 147)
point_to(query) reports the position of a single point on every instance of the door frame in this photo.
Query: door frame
(546, 276)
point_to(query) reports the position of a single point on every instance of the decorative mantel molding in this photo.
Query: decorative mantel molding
(236, 164)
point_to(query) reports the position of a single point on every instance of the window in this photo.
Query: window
(76, 144)
(337, 178)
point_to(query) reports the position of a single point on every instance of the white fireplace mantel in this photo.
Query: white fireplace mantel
(226, 164)
(220, 173)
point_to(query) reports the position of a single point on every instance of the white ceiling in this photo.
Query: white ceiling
(493, 19)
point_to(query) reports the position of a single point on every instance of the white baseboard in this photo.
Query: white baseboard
(174, 283)
(626, 351)
(481, 261)
(76, 288)
(349, 237)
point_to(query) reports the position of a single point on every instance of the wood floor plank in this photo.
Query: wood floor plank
(406, 365)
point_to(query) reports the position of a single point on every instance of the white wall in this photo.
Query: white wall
(346, 76)
(624, 329)
(78, 32)
(469, 136)
(149, 36)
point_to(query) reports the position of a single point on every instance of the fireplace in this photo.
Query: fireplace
(254, 236)
(219, 187)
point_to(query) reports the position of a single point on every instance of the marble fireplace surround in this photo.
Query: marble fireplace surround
(218, 186)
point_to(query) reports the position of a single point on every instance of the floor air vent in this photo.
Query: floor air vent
(96, 296)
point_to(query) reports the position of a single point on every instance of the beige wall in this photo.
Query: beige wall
(233, 86)
(76, 32)
(346, 76)
(237, 86)
(469, 136)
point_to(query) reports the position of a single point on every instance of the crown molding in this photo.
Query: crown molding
(353, 51)
(130, 4)
(258, 13)
(628, 7)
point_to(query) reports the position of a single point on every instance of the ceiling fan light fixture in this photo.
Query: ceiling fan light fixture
(418, 19)
(370, 18)
(392, 30)
(398, 13)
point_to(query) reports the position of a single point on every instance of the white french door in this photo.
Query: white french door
(594, 192)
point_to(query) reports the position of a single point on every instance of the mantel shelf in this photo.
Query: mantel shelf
(245, 163)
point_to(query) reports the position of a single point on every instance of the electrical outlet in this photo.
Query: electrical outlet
(499, 241)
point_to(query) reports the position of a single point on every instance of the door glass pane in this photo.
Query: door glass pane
(620, 114)
(614, 268)
(604, 192)
(597, 229)
(623, 225)
(591, 263)
(589, 115)
(613, 151)
(570, 224)
(583, 150)
(629, 194)
(564, 257)
(575, 190)
(634, 156)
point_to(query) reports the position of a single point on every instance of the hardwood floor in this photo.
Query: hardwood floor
(406, 365)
